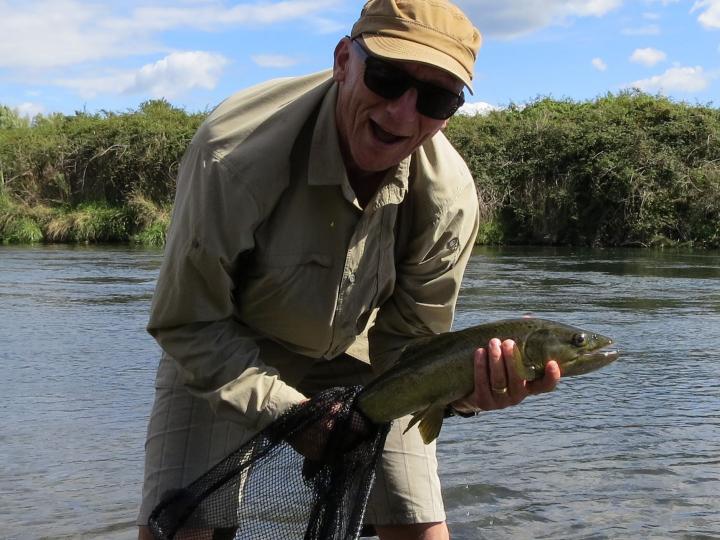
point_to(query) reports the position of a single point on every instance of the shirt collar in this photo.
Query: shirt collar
(326, 166)
(325, 163)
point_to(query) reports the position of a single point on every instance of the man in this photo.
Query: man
(320, 223)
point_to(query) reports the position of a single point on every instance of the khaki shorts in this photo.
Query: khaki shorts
(185, 439)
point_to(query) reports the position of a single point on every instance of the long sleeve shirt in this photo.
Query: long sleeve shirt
(272, 264)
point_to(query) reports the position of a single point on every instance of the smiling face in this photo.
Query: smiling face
(377, 133)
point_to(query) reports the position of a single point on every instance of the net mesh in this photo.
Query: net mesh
(305, 476)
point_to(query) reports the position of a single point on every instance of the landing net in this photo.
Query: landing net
(306, 476)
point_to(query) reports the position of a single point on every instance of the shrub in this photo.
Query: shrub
(624, 169)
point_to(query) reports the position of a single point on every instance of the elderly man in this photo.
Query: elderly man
(320, 223)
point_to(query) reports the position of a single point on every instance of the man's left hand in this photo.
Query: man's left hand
(497, 385)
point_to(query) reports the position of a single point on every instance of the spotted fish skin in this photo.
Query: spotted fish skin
(435, 371)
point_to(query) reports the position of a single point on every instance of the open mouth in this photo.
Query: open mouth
(384, 136)
(592, 360)
(608, 354)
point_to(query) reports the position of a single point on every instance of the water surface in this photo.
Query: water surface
(632, 451)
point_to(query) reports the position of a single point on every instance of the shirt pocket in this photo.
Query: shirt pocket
(290, 297)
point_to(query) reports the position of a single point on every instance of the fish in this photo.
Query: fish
(434, 371)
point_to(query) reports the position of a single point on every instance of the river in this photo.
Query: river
(632, 451)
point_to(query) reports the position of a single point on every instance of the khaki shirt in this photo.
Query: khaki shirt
(271, 263)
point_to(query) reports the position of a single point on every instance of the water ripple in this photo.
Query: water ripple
(632, 451)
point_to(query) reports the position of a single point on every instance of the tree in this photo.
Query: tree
(9, 118)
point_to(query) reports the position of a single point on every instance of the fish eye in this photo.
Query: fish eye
(578, 340)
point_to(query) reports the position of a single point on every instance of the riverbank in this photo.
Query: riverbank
(621, 170)
(139, 221)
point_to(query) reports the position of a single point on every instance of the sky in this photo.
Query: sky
(87, 55)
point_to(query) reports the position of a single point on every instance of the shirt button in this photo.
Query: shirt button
(351, 278)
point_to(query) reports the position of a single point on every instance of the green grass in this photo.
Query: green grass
(141, 222)
(19, 230)
(17, 223)
(88, 223)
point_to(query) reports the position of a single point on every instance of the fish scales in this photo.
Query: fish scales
(433, 372)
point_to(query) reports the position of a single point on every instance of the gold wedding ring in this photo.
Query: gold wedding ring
(499, 391)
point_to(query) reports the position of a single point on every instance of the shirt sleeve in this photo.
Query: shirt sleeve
(429, 275)
(214, 218)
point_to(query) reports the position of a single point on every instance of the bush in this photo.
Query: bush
(626, 169)
(104, 157)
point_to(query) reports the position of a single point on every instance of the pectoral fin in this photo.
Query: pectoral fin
(430, 421)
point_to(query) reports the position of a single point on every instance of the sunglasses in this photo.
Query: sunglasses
(391, 82)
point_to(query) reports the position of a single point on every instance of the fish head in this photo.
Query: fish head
(575, 350)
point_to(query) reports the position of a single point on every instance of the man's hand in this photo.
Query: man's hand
(312, 442)
(497, 385)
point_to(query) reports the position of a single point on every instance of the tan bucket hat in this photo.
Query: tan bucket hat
(433, 32)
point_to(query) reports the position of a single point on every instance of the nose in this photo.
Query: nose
(403, 109)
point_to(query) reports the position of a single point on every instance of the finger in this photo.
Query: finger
(517, 386)
(515, 382)
(549, 380)
(496, 371)
(470, 402)
(480, 396)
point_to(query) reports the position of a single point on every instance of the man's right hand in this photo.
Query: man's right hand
(332, 433)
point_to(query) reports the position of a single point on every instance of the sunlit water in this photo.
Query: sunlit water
(632, 451)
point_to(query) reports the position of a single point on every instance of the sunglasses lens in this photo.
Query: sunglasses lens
(385, 80)
(438, 103)
(389, 82)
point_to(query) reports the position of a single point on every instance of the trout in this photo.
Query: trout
(434, 371)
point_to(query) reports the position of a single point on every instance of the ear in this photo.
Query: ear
(341, 59)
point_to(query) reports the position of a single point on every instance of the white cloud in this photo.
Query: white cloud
(178, 73)
(273, 60)
(710, 16)
(90, 87)
(675, 79)
(29, 110)
(41, 34)
(60, 33)
(479, 107)
(599, 64)
(512, 18)
(648, 56)
(209, 17)
(172, 76)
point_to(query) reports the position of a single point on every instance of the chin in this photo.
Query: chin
(376, 161)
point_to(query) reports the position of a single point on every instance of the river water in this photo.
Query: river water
(632, 451)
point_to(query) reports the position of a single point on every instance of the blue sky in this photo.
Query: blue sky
(69, 55)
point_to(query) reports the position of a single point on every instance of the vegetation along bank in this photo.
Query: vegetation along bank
(628, 169)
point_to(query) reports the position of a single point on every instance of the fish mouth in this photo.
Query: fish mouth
(610, 355)
(592, 360)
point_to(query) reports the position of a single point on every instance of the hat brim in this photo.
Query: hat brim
(393, 48)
